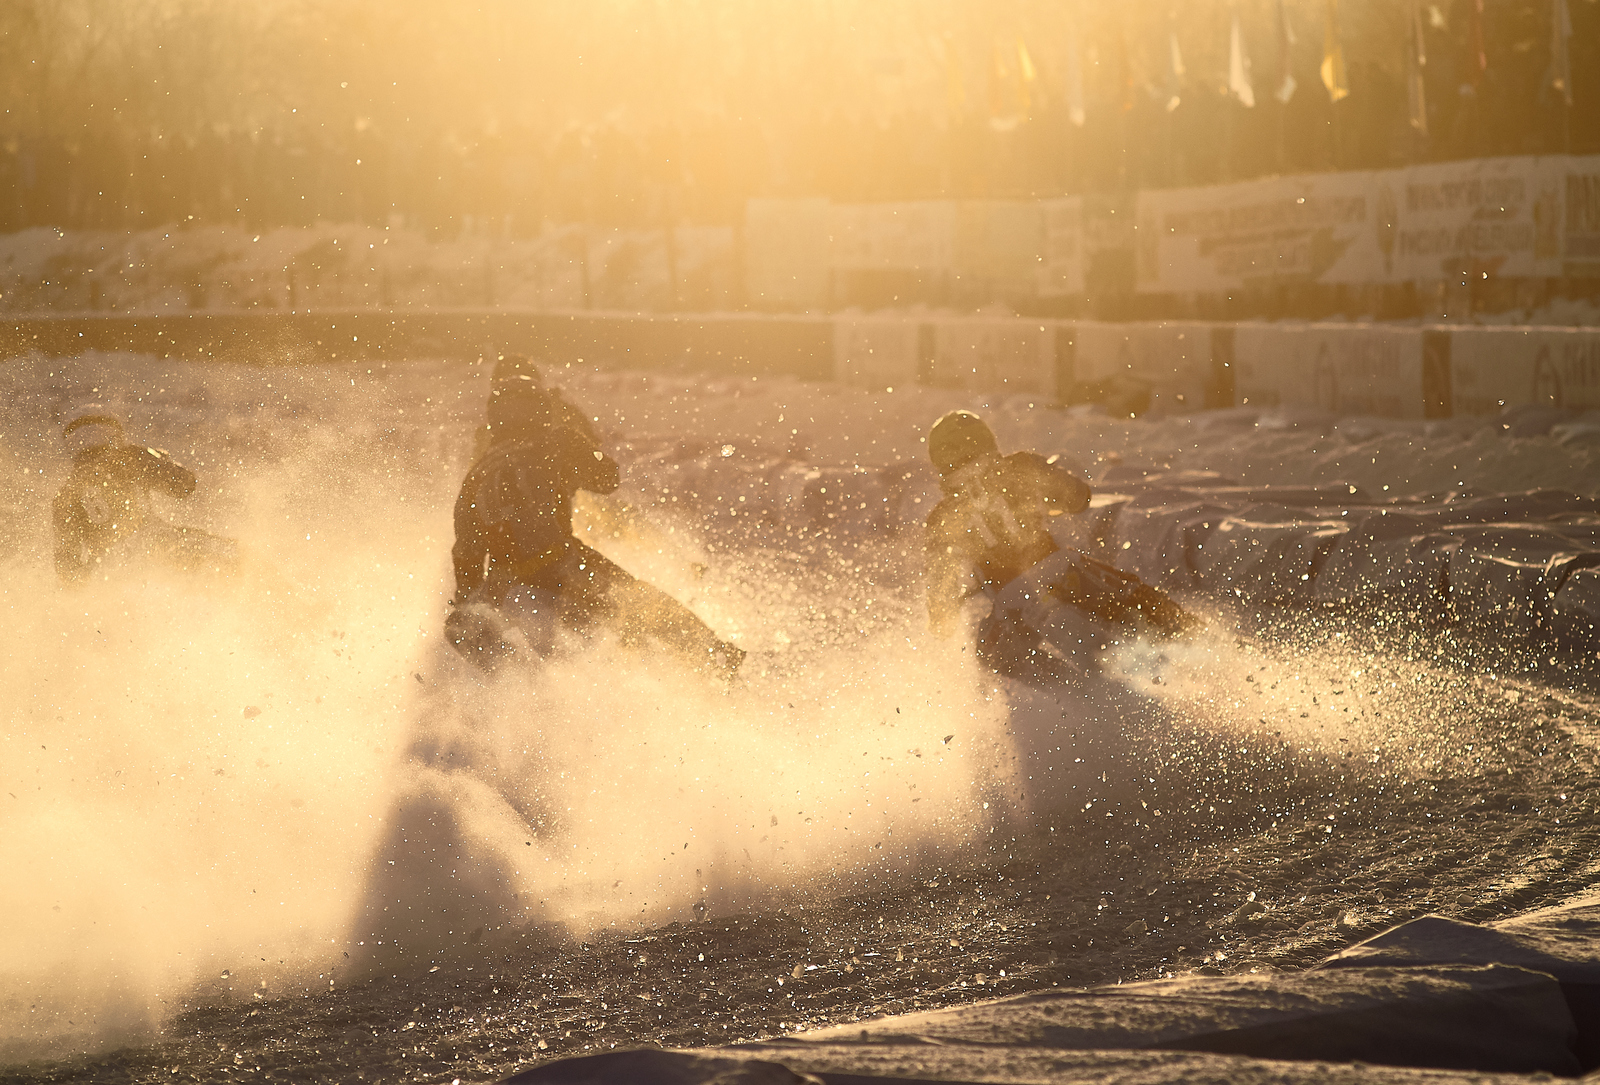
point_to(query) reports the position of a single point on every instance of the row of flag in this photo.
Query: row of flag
(1013, 73)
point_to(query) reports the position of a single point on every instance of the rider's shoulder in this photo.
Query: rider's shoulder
(1031, 465)
(1031, 462)
(125, 458)
(551, 448)
(945, 508)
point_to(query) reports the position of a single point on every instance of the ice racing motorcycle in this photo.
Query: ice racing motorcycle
(525, 622)
(1051, 623)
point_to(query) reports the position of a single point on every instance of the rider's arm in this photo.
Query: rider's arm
(467, 555)
(564, 413)
(495, 500)
(598, 472)
(591, 468)
(160, 471)
(1062, 491)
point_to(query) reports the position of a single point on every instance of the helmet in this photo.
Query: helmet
(512, 370)
(517, 395)
(959, 438)
(91, 426)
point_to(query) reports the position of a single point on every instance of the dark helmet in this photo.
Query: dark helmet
(517, 395)
(959, 438)
(515, 370)
(91, 426)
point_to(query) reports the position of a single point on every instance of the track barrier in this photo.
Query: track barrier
(1160, 367)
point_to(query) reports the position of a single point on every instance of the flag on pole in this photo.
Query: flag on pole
(1010, 76)
(1124, 66)
(1560, 55)
(1239, 67)
(1286, 41)
(1175, 72)
(1416, 68)
(1334, 76)
(1477, 53)
(955, 87)
(1026, 75)
(1075, 110)
(1001, 114)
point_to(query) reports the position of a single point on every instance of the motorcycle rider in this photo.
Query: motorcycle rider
(514, 541)
(990, 535)
(515, 383)
(103, 513)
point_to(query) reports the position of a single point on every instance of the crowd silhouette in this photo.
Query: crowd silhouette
(626, 113)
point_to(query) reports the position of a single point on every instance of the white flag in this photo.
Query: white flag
(1334, 76)
(1286, 42)
(1560, 55)
(1075, 111)
(1239, 67)
(1416, 72)
(1175, 72)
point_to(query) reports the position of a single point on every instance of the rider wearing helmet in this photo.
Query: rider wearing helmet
(990, 534)
(104, 509)
(513, 523)
(514, 514)
(517, 391)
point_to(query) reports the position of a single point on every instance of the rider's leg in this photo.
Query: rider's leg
(1120, 596)
(1008, 645)
(1098, 588)
(597, 588)
(1041, 606)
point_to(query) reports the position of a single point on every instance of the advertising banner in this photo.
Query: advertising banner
(1000, 244)
(1029, 248)
(877, 354)
(912, 236)
(1494, 368)
(1487, 217)
(1259, 378)
(1521, 217)
(1061, 266)
(786, 253)
(995, 356)
(1344, 369)
(1490, 217)
(1307, 228)
(1170, 359)
(1582, 218)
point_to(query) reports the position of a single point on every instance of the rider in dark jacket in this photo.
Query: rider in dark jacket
(990, 534)
(513, 523)
(514, 515)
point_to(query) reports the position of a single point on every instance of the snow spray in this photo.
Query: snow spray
(193, 765)
(218, 788)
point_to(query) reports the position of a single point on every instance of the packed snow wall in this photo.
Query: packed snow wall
(1153, 368)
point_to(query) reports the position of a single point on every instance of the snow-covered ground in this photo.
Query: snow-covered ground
(207, 779)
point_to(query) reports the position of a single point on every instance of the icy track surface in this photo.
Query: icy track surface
(267, 826)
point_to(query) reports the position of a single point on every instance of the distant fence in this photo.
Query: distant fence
(1163, 367)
